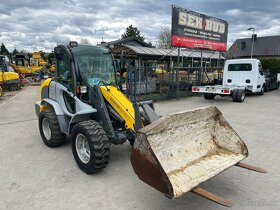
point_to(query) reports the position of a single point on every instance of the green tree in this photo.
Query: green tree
(273, 64)
(50, 57)
(133, 32)
(4, 50)
(29, 54)
(42, 53)
(85, 41)
(15, 51)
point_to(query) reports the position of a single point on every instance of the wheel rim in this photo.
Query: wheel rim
(46, 129)
(82, 148)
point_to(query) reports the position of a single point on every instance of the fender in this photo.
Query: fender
(67, 122)
(54, 104)
(63, 120)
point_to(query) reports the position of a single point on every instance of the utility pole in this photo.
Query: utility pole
(253, 37)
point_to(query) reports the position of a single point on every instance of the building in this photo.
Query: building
(268, 46)
(143, 54)
(126, 41)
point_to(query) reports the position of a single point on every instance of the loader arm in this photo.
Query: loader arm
(120, 104)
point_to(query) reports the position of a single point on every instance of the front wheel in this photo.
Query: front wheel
(90, 146)
(262, 90)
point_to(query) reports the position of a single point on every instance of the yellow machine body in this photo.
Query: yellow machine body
(26, 69)
(120, 104)
(8, 76)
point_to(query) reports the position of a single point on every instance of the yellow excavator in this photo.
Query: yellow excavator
(9, 79)
(173, 154)
(22, 65)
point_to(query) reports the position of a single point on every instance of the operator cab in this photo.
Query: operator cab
(89, 66)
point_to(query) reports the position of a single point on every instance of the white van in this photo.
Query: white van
(245, 72)
(240, 76)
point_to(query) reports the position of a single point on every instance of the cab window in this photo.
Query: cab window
(64, 74)
(240, 67)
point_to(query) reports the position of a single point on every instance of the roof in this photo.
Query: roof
(157, 53)
(263, 46)
(125, 41)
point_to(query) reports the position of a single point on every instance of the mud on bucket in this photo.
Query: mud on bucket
(178, 152)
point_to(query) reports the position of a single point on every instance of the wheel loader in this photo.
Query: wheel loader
(173, 154)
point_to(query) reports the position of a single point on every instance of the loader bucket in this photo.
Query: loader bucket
(178, 152)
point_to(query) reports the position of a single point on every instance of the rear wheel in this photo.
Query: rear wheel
(234, 95)
(90, 146)
(209, 96)
(240, 96)
(50, 129)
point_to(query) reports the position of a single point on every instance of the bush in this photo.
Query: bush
(273, 64)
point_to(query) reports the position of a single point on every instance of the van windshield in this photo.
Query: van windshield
(240, 67)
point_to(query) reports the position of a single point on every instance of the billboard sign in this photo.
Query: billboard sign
(194, 30)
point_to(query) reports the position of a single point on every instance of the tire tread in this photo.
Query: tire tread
(99, 141)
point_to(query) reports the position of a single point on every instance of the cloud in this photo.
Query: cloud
(41, 25)
(234, 12)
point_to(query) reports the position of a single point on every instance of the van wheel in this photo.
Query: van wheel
(50, 130)
(234, 95)
(266, 89)
(90, 146)
(209, 96)
(240, 96)
(262, 90)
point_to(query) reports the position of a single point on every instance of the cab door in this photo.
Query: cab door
(65, 81)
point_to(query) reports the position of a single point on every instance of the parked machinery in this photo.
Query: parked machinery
(8, 78)
(22, 65)
(173, 154)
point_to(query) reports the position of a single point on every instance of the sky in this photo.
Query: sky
(33, 25)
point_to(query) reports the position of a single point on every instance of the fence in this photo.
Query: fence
(146, 83)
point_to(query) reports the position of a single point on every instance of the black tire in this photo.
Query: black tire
(240, 96)
(56, 137)
(266, 87)
(262, 90)
(234, 95)
(13, 87)
(209, 96)
(97, 143)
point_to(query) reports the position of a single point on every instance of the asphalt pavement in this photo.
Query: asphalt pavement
(33, 176)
